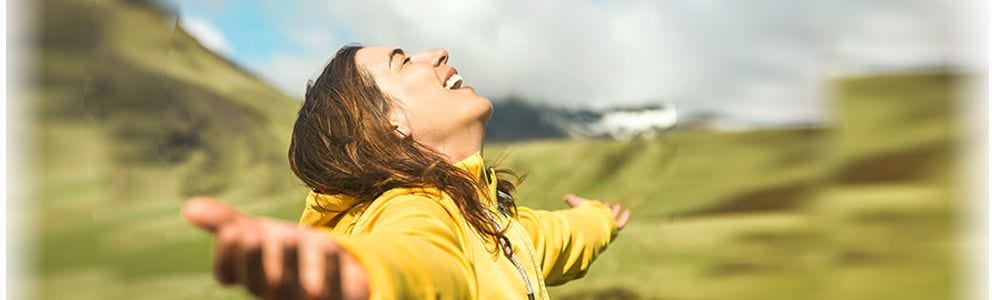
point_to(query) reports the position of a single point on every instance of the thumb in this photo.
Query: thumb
(209, 214)
(573, 200)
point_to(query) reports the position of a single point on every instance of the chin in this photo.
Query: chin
(472, 108)
(486, 108)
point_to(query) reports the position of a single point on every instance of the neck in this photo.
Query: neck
(462, 145)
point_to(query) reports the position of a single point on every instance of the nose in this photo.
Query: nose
(436, 56)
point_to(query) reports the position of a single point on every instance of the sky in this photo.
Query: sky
(761, 62)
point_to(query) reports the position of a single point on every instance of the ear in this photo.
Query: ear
(397, 118)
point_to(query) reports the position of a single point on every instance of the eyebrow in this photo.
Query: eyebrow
(396, 51)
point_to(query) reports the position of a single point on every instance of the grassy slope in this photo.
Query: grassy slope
(860, 211)
(134, 116)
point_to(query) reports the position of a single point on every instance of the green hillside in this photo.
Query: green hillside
(132, 116)
(862, 209)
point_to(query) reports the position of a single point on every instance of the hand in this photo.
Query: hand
(620, 214)
(274, 259)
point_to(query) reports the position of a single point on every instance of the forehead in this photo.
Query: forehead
(374, 59)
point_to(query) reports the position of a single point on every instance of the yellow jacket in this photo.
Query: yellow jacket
(414, 243)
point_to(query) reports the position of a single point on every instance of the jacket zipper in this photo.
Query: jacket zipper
(505, 242)
(508, 251)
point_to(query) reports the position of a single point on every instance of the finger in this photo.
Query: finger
(622, 220)
(225, 254)
(209, 214)
(333, 272)
(353, 280)
(289, 287)
(318, 272)
(252, 270)
(573, 200)
(311, 270)
(615, 209)
(272, 259)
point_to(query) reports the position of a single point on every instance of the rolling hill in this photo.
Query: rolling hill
(864, 208)
(132, 116)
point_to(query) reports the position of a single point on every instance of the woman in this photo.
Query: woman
(402, 205)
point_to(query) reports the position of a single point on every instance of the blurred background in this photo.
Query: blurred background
(769, 149)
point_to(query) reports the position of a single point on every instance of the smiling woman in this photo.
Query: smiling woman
(403, 204)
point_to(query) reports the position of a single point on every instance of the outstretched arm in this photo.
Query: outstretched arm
(411, 252)
(568, 240)
(274, 259)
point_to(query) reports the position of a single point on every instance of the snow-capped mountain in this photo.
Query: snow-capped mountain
(515, 120)
(622, 123)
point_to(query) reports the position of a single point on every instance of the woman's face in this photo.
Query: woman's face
(430, 102)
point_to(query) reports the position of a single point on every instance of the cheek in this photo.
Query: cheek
(434, 112)
(422, 96)
(441, 116)
(470, 108)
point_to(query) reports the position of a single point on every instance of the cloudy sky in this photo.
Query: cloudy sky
(757, 62)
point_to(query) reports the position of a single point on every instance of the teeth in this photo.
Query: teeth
(454, 82)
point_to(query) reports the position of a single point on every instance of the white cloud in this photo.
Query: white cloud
(290, 72)
(752, 60)
(206, 33)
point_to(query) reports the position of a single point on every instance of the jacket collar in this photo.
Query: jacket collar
(476, 166)
(323, 207)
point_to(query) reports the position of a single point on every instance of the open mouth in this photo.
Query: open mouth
(453, 82)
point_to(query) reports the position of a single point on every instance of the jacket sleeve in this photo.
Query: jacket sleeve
(568, 240)
(412, 250)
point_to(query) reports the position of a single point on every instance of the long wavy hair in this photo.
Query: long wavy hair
(343, 143)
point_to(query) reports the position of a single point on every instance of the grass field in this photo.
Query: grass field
(133, 116)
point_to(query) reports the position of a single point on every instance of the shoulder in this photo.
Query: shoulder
(415, 200)
(413, 211)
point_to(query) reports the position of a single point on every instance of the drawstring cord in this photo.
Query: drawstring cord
(504, 243)
(508, 251)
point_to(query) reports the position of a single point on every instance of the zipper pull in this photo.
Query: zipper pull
(501, 205)
(507, 247)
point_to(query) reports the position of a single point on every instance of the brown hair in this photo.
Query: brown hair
(343, 143)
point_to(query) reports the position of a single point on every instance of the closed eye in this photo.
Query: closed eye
(406, 60)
